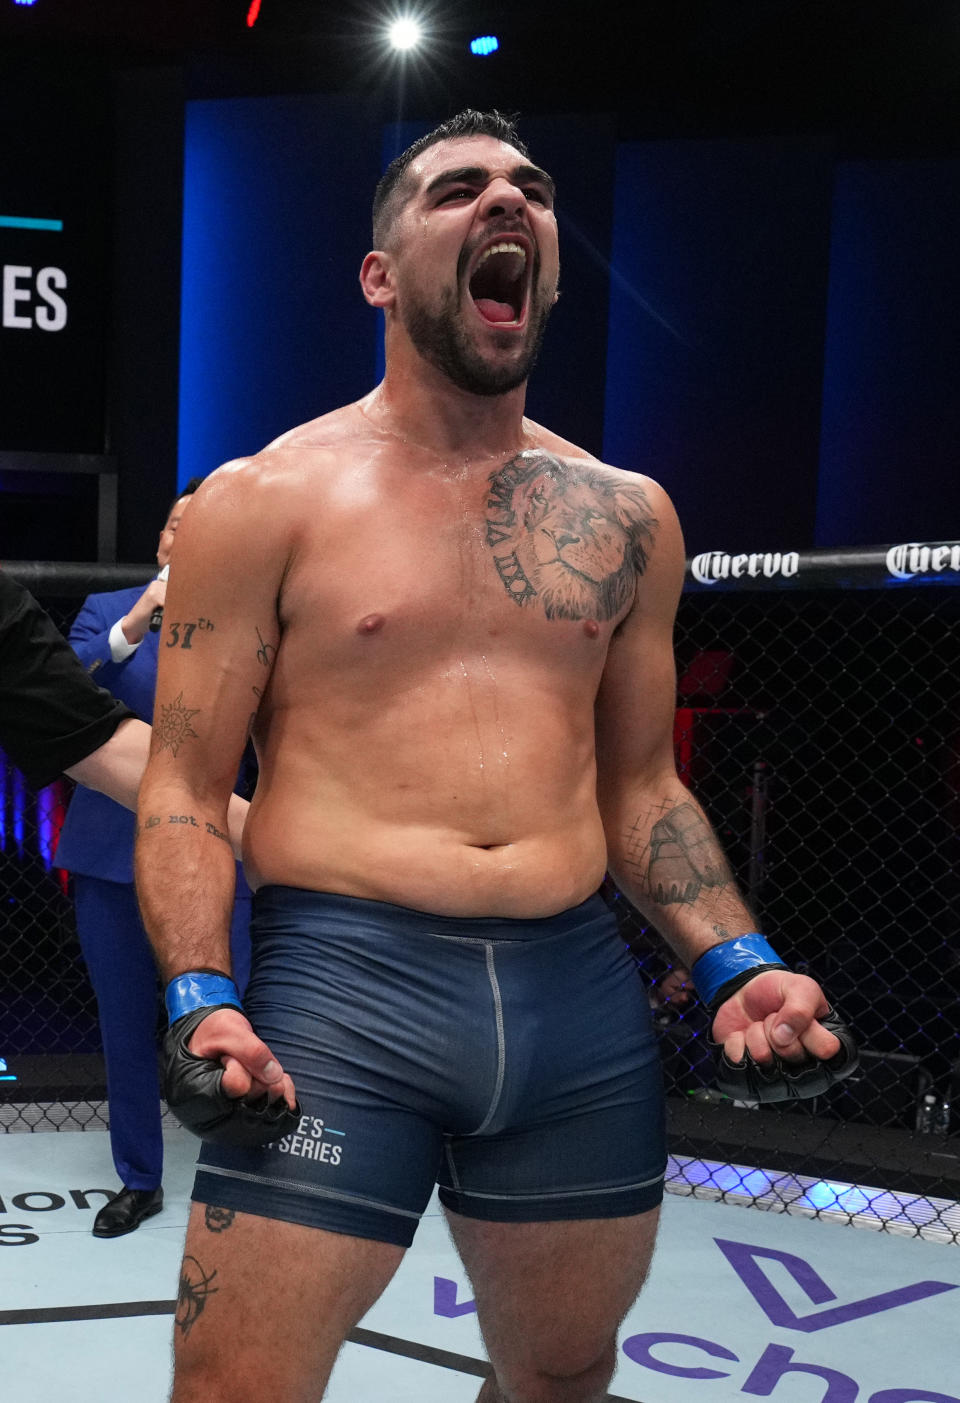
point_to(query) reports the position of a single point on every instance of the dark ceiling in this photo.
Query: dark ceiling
(875, 74)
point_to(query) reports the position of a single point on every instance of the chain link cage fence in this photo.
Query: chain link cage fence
(818, 722)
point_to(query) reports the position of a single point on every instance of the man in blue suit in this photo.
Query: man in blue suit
(113, 639)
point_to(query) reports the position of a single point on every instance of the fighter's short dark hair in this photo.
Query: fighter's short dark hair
(389, 195)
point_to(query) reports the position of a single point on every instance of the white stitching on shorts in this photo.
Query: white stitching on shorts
(451, 1165)
(564, 1193)
(315, 1189)
(501, 1044)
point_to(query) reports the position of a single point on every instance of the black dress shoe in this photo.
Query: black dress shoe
(127, 1211)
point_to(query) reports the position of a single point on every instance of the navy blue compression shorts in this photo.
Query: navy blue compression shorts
(512, 1062)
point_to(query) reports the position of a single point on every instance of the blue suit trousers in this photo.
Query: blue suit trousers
(124, 979)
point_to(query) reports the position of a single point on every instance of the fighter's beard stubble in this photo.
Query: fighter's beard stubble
(440, 338)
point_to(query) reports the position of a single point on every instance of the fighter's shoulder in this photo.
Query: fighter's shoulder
(281, 473)
(328, 431)
(626, 479)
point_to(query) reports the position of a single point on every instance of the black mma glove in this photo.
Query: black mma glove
(193, 1085)
(718, 974)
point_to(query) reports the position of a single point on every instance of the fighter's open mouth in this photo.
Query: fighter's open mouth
(498, 284)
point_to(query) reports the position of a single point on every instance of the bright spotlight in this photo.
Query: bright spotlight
(405, 33)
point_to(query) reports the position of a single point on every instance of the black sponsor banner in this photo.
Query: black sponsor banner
(54, 210)
(868, 567)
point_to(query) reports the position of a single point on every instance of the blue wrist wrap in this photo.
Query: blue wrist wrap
(728, 959)
(198, 989)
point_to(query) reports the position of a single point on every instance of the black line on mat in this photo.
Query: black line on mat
(427, 1354)
(57, 1315)
(390, 1344)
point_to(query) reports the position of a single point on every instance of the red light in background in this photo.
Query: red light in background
(253, 12)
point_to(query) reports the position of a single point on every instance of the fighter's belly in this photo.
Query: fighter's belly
(522, 838)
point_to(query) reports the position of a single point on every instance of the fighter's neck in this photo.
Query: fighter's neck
(431, 413)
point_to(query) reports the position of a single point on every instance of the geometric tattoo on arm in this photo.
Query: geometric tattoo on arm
(196, 1288)
(173, 726)
(680, 859)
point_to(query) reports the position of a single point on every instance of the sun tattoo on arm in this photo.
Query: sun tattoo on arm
(173, 726)
(567, 535)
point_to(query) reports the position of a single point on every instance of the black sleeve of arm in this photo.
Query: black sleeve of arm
(51, 714)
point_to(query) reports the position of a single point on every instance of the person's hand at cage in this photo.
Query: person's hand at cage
(672, 990)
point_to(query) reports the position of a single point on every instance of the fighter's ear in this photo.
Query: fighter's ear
(376, 279)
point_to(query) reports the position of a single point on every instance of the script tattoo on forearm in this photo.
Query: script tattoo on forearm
(218, 1219)
(173, 727)
(187, 820)
(679, 859)
(196, 1288)
(567, 536)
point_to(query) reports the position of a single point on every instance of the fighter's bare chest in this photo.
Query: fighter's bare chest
(535, 543)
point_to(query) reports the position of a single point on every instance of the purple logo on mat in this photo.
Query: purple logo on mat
(445, 1299)
(745, 1261)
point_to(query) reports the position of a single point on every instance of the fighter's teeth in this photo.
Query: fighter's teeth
(502, 248)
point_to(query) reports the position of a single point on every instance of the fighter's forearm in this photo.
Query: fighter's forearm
(667, 859)
(186, 879)
(116, 767)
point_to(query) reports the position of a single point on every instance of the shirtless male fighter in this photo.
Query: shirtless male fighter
(451, 633)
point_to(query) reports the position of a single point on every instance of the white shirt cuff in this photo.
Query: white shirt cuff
(119, 647)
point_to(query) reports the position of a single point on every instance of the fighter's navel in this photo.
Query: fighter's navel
(371, 623)
(591, 628)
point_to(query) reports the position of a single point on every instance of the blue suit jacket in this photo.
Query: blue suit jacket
(97, 836)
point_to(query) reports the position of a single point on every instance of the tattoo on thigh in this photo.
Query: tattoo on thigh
(196, 1288)
(676, 856)
(218, 1219)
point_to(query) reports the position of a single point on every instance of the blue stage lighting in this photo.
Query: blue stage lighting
(486, 44)
(24, 2)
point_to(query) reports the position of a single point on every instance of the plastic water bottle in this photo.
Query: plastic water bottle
(927, 1114)
(942, 1121)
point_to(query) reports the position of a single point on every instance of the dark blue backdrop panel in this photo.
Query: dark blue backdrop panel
(275, 330)
(567, 388)
(717, 309)
(891, 407)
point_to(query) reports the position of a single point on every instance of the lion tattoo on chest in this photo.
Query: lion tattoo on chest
(567, 536)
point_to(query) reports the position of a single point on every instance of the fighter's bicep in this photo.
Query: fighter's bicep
(212, 672)
(217, 646)
(635, 705)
